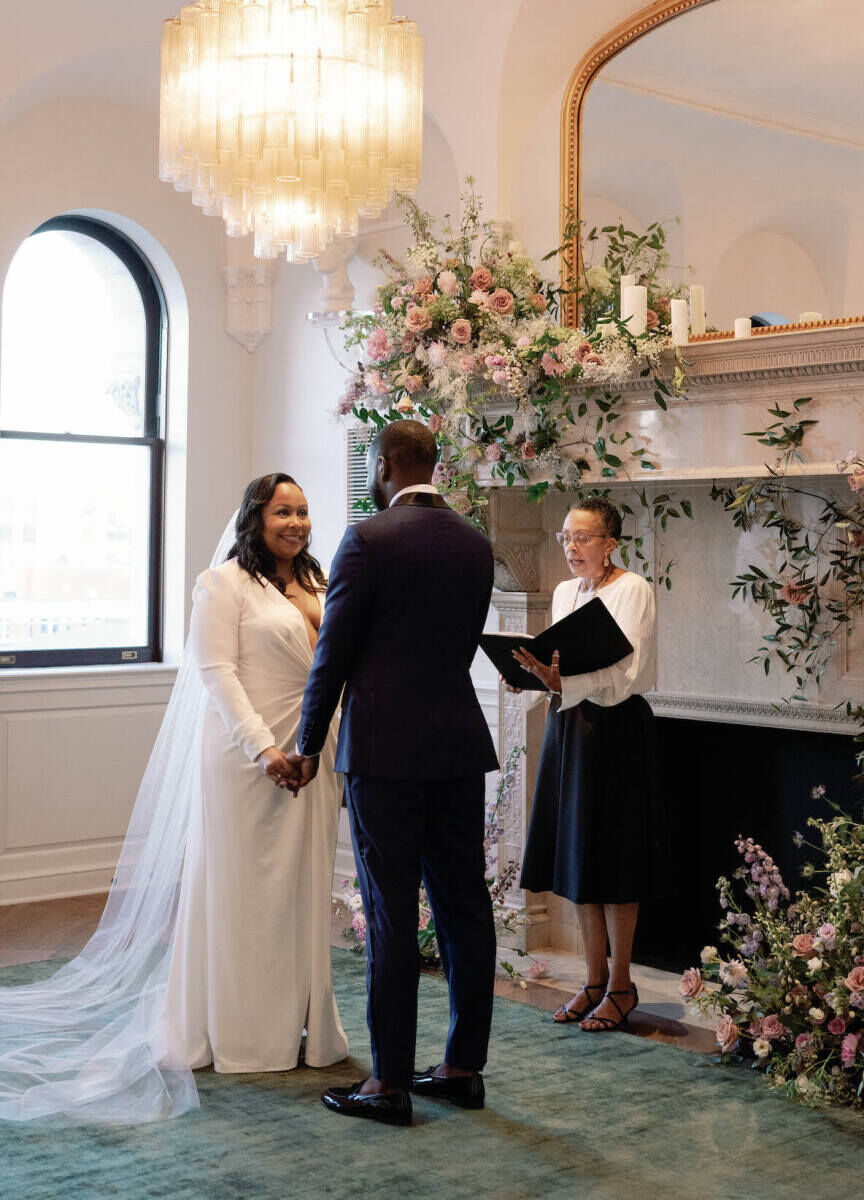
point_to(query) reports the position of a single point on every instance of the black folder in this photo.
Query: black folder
(586, 640)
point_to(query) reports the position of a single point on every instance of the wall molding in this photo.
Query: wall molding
(815, 717)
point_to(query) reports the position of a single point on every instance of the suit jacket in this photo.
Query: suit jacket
(406, 603)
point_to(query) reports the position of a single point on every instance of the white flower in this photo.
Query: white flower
(733, 974)
(814, 964)
(761, 1048)
(803, 1084)
(816, 1014)
(449, 283)
(839, 880)
(514, 247)
(598, 280)
(710, 954)
(356, 902)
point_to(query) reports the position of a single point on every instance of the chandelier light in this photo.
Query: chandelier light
(291, 120)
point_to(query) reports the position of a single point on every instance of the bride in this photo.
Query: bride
(214, 943)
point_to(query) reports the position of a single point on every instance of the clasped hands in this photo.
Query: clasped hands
(291, 771)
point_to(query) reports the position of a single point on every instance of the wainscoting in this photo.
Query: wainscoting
(73, 747)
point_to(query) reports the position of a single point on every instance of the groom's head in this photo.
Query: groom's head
(400, 455)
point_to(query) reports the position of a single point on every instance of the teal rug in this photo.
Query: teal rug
(569, 1116)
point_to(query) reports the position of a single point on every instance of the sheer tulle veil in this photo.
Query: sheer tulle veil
(86, 1043)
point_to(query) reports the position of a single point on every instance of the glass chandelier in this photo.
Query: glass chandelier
(291, 120)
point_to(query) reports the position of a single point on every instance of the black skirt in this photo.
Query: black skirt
(598, 833)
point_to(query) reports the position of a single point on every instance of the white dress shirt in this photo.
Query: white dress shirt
(415, 487)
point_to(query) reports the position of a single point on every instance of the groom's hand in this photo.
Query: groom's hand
(305, 770)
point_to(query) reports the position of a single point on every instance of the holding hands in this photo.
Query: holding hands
(291, 771)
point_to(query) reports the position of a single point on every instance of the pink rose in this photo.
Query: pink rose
(727, 1034)
(422, 286)
(501, 302)
(539, 969)
(409, 342)
(481, 279)
(494, 453)
(376, 384)
(449, 284)
(550, 364)
(528, 450)
(651, 319)
(499, 377)
(856, 480)
(803, 1040)
(793, 594)
(417, 320)
(397, 303)
(773, 1028)
(405, 405)
(466, 363)
(481, 299)
(537, 302)
(849, 1049)
(460, 332)
(837, 1025)
(434, 423)
(855, 980)
(857, 999)
(691, 984)
(802, 945)
(593, 358)
(584, 350)
(450, 264)
(413, 383)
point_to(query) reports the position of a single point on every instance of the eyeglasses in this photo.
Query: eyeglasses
(578, 539)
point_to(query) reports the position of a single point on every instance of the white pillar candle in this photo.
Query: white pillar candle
(634, 304)
(627, 281)
(807, 318)
(743, 327)
(678, 314)
(697, 309)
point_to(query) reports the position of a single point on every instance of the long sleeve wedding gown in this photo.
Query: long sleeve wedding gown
(251, 963)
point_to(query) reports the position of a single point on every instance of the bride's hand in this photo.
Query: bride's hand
(276, 766)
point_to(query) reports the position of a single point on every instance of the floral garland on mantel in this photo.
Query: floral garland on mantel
(465, 337)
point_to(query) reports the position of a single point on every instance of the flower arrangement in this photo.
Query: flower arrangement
(465, 337)
(790, 994)
(500, 877)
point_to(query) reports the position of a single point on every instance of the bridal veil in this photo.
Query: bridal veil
(86, 1042)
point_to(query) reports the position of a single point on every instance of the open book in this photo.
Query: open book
(586, 640)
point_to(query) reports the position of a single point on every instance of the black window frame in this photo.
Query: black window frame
(156, 340)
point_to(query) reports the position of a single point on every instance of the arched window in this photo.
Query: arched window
(81, 450)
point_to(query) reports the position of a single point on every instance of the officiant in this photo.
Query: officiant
(597, 833)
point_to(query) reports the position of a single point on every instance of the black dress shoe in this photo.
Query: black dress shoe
(465, 1090)
(391, 1108)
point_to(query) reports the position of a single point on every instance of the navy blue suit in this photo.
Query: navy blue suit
(408, 595)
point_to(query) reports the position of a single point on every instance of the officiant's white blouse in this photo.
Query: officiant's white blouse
(630, 600)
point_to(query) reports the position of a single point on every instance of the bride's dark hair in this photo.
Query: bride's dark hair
(249, 548)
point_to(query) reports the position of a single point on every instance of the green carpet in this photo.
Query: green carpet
(569, 1116)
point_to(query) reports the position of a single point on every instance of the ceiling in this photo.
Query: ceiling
(796, 63)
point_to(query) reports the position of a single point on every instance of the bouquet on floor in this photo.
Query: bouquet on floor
(790, 994)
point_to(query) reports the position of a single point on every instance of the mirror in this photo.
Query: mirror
(742, 124)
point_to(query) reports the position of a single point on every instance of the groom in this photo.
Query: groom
(408, 595)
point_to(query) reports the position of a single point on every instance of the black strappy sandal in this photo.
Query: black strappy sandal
(568, 1014)
(608, 1025)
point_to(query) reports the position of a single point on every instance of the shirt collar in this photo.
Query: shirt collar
(414, 487)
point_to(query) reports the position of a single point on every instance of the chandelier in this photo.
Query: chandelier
(291, 120)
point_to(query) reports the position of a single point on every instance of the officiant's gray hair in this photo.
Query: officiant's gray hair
(406, 444)
(605, 509)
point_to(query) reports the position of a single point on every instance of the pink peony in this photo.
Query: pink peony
(537, 302)
(803, 1040)
(481, 299)
(499, 377)
(691, 984)
(494, 452)
(375, 383)
(539, 969)
(409, 342)
(651, 319)
(727, 1034)
(437, 354)
(793, 594)
(417, 320)
(501, 302)
(397, 303)
(434, 423)
(773, 1028)
(528, 450)
(551, 365)
(481, 279)
(802, 945)
(849, 1049)
(422, 286)
(837, 1025)
(449, 284)
(523, 342)
(855, 980)
(857, 999)
(460, 332)
(856, 480)
(378, 345)
(413, 383)
(466, 363)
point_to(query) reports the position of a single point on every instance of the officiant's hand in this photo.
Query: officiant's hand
(549, 676)
(276, 766)
(305, 770)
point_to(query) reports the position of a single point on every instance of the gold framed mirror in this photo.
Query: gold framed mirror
(670, 69)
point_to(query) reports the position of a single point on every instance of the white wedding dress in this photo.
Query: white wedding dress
(214, 942)
(251, 962)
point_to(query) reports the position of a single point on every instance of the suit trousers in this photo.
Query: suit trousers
(405, 830)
